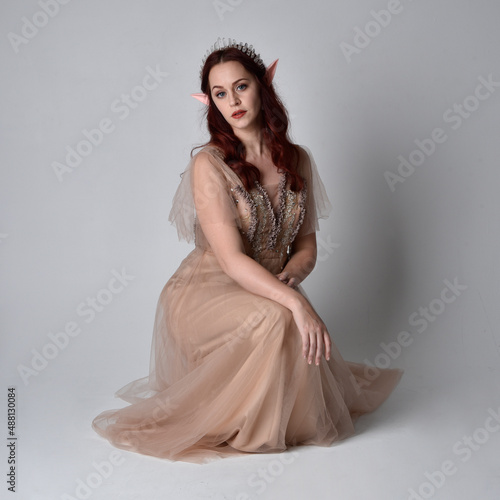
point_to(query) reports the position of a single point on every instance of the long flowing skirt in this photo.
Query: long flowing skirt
(227, 377)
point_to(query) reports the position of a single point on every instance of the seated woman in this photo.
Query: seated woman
(240, 361)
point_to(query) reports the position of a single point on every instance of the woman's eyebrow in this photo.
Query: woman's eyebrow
(220, 87)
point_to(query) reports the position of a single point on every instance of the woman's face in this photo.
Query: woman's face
(236, 94)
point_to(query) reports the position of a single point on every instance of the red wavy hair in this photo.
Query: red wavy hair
(284, 154)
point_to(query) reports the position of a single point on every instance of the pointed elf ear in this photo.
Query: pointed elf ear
(270, 71)
(202, 98)
(269, 76)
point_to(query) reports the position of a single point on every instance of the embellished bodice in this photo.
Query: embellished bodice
(269, 217)
(268, 220)
(267, 230)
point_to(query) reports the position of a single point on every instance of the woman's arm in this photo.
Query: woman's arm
(302, 261)
(304, 251)
(227, 245)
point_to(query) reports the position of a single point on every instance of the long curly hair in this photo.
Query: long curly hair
(284, 154)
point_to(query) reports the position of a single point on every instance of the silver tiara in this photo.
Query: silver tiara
(221, 43)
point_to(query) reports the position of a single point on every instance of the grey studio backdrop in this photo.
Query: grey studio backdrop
(399, 102)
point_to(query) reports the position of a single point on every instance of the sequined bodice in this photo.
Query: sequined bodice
(268, 232)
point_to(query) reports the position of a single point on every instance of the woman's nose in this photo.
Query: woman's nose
(234, 99)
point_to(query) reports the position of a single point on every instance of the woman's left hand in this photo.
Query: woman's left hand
(288, 279)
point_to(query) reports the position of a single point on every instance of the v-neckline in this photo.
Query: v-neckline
(276, 211)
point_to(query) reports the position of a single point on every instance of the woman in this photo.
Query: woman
(241, 362)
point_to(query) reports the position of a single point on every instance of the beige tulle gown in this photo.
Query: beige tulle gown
(227, 376)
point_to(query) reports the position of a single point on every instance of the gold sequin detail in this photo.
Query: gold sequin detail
(270, 234)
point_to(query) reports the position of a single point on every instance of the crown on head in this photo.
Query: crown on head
(221, 43)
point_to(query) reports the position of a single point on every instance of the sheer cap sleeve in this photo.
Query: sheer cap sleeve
(318, 205)
(203, 193)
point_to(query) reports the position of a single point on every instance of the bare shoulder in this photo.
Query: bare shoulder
(206, 167)
(201, 161)
(209, 154)
(213, 150)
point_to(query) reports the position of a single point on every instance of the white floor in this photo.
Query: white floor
(433, 436)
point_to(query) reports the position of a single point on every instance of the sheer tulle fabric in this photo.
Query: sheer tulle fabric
(226, 373)
(183, 213)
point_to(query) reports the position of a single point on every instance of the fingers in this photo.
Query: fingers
(284, 276)
(319, 349)
(312, 348)
(315, 348)
(328, 346)
(316, 340)
(315, 345)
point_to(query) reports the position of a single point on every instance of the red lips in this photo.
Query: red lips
(239, 113)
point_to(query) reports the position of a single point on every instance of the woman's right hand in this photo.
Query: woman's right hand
(315, 337)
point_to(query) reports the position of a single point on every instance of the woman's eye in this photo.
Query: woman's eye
(239, 87)
(219, 94)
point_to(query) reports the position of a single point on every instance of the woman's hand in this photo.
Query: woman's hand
(288, 279)
(315, 337)
(301, 262)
